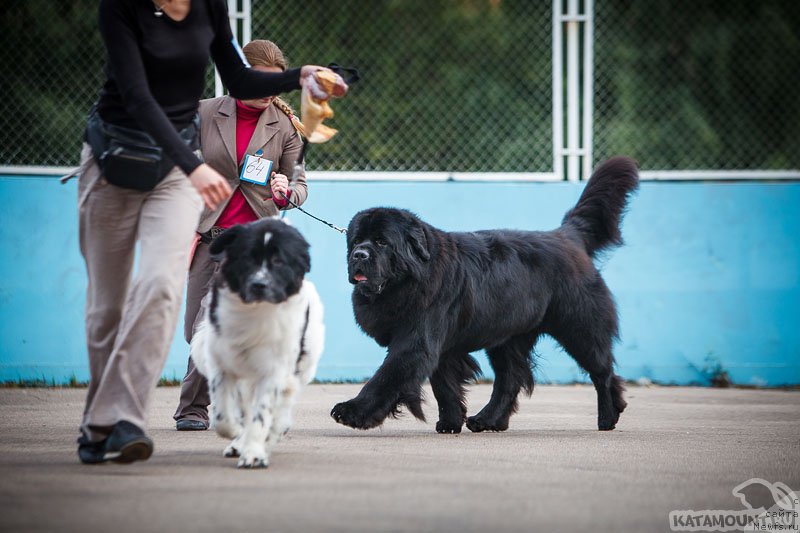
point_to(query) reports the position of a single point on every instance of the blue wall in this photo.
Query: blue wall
(710, 273)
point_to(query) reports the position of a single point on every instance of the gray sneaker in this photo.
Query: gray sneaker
(188, 424)
(127, 443)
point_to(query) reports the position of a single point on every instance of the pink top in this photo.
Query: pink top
(238, 211)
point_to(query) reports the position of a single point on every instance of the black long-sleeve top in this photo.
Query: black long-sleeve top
(156, 69)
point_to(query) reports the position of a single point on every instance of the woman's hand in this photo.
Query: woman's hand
(308, 78)
(210, 184)
(280, 186)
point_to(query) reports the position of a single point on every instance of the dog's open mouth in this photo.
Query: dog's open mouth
(366, 285)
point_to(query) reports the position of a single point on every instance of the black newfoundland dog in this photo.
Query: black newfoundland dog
(432, 297)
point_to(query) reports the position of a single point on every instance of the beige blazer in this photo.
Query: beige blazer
(274, 135)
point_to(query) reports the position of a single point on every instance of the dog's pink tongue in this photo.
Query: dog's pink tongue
(360, 277)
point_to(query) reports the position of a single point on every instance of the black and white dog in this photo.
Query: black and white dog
(261, 338)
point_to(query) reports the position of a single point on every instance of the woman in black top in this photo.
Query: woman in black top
(157, 57)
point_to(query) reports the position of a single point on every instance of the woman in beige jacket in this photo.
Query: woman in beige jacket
(236, 135)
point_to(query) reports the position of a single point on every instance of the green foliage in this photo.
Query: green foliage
(37, 383)
(52, 70)
(169, 382)
(453, 85)
(465, 85)
(698, 83)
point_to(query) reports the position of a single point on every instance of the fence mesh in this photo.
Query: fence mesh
(51, 63)
(448, 85)
(698, 84)
(465, 85)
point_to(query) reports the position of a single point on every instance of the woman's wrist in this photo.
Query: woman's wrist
(280, 201)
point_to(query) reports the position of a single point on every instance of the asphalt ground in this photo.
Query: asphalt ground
(674, 449)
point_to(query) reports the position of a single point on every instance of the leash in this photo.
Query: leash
(332, 226)
(295, 173)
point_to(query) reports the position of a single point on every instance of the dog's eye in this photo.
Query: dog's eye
(380, 242)
(277, 261)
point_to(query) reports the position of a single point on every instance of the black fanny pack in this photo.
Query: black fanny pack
(131, 158)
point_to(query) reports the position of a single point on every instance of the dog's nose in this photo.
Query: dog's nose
(258, 285)
(360, 254)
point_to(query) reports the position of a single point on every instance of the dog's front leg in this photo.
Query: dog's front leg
(225, 399)
(243, 402)
(397, 382)
(253, 452)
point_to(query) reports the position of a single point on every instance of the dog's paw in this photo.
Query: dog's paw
(479, 423)
(253, 458)
(443, 426)
(226, 428)
(231, 451)
(352, 413)
(608, 422)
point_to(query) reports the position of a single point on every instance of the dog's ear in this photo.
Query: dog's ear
(223, 241)
(304, 257)
(352, 227)
(418, 242)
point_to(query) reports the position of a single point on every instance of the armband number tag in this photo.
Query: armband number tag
(256, 169)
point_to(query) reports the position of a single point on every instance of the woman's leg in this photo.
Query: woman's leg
(108, 217)
(168, 217)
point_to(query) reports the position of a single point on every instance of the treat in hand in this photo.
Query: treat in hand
(331, 83)
(314, 110)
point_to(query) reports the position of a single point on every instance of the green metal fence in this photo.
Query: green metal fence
(466, 85)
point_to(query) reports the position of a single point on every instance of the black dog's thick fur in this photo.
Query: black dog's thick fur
(432, 297)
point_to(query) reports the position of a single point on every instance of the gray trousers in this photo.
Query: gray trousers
(194, 400)
(131, 317)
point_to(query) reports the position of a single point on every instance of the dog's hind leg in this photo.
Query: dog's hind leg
(455, 369)
(598, 362)
(589, 342)
(511, 363)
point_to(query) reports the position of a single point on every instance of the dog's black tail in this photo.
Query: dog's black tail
(599, 210)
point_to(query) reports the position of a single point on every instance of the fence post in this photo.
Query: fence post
(588, 89)
(573, 89)
(245, 14)
(558, 93)
(579, 112)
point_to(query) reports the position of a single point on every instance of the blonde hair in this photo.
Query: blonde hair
(262, 52)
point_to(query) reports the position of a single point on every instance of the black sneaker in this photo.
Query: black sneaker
(187, 424)
(90, 453)
(127, 443)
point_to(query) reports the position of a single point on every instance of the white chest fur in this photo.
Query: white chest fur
(258, 339)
